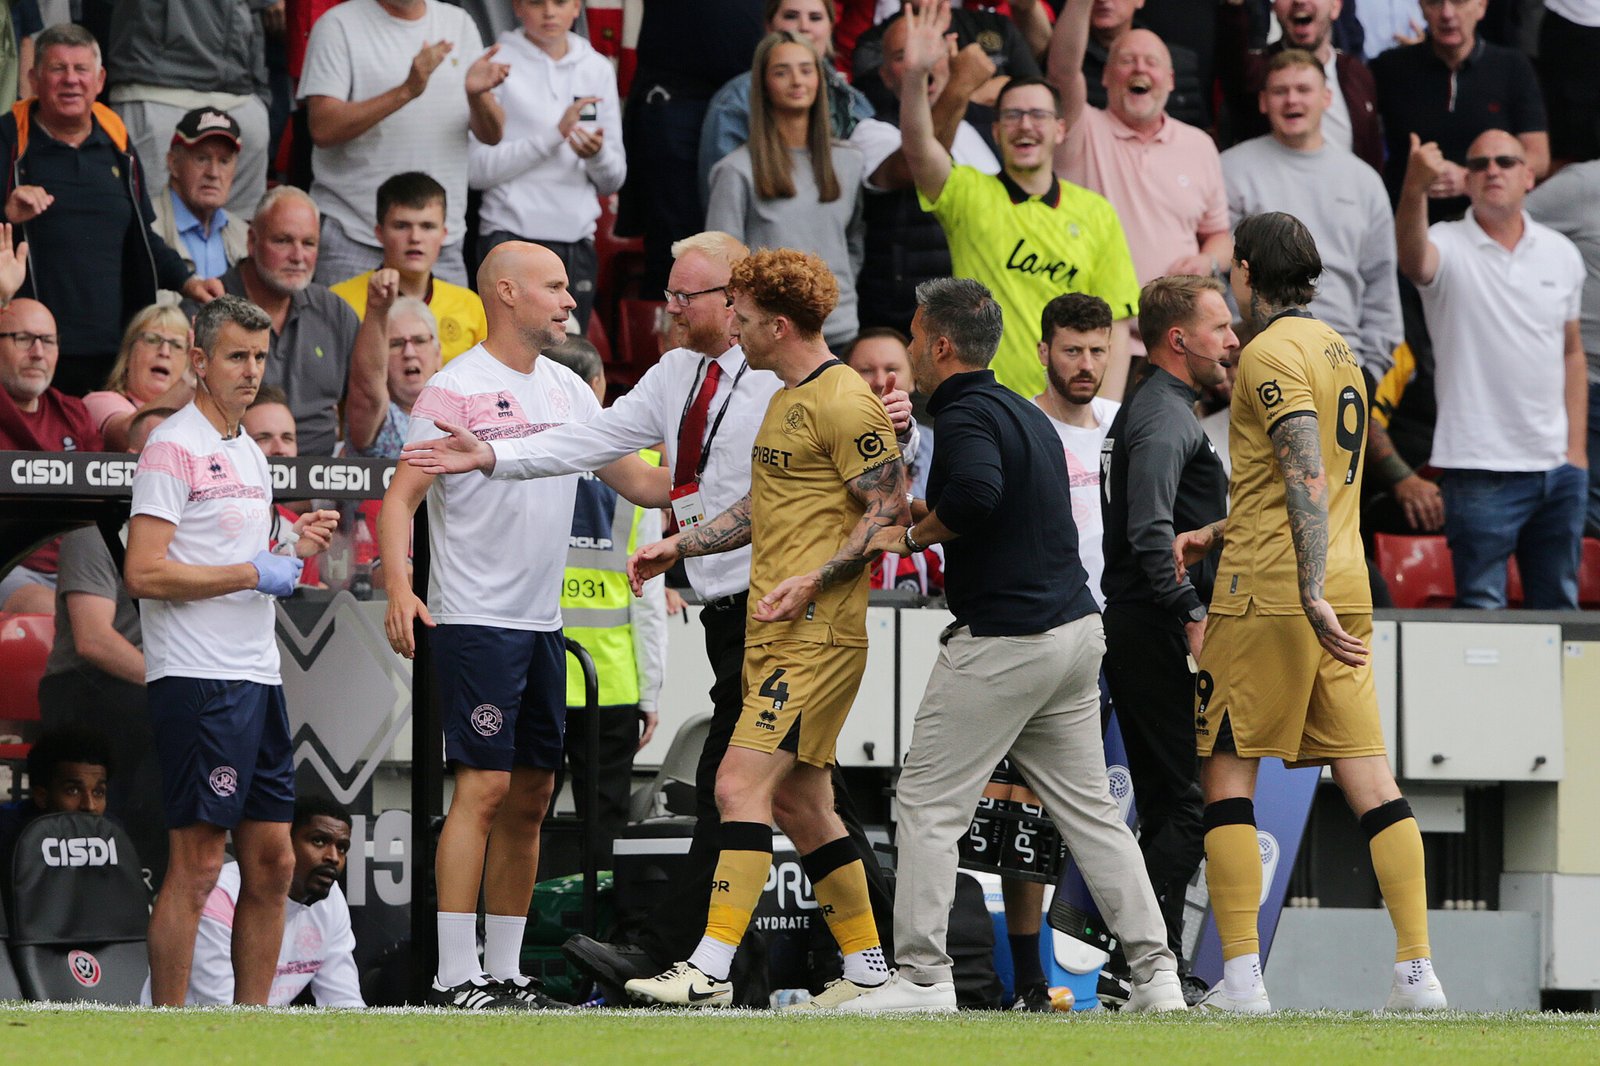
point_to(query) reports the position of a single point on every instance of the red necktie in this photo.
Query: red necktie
(692, 433)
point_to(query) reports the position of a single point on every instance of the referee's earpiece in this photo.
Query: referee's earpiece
(1178, 340)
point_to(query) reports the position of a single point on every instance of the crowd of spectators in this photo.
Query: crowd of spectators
(154, 166)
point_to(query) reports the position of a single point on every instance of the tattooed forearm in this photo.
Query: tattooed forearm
(724, 533)
(1217, 531)
(881, 492)
(1298, 448)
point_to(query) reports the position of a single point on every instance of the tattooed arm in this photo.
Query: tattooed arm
(881, 492)
(1189, 548)
(724, 533)
(1297, 447)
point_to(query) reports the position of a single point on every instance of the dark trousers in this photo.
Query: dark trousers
(661, 197)
(1147, 670)
(118, 711)
(678, 921)
(619, 739)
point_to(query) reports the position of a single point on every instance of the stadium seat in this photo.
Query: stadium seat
(1589, 575)
(664, 795)
(638, 344)
(9, 988)
(1513, 583)
(25, 641)
(619, 263)
(1417, 570)
(78, 931)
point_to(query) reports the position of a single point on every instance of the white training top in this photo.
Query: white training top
(357, 51)
(499, 549)
(1498, 321)
(317, 950)
(650, 413)
(1082, 447)
(219, 495)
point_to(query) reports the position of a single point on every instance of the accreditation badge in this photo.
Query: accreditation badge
(687, 506)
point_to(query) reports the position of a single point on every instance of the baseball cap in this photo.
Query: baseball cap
(205, 122)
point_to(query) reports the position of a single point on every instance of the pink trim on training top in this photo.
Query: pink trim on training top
(219, 907)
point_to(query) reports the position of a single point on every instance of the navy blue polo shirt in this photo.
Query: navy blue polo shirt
(79, 270)
(1495, 88)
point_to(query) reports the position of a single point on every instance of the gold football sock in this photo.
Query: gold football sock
(840, 882)
(1396, 845)
(1233, 874)
(741, 875)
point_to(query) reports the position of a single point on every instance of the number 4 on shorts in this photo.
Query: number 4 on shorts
(775, 688)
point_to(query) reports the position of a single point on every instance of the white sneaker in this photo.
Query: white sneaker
(835, 994)
(685, 985)
(1162, 992)
(1423, 995)
(1220, 999)
(899, 995)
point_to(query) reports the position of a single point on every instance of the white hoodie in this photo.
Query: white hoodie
(535, 186)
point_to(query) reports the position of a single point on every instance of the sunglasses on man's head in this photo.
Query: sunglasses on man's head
(1479, 163)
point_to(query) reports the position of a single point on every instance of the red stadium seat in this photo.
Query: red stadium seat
(1513, 583)
(1417, 570)
(619, 267)
(25, 641)
(639, 344)
(1589, 575)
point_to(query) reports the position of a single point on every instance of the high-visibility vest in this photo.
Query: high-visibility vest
(595, 596)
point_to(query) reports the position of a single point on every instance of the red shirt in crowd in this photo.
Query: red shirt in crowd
(60, 423)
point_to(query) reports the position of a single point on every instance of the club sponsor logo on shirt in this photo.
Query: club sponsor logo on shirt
(85, 968)
(1056, 270)
(224, 781)
(487, 719)
(502, 406)
(770, 456)
(870, 445)
(1271, 395)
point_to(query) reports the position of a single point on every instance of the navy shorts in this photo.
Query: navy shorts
(502, 696)
(224, 750)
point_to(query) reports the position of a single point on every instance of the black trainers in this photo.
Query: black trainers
(477, 993)
(1034, 998)
(1194, 989)
(610, 966)
(529, 994)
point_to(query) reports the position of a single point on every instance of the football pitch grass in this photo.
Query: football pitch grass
(62, 1037)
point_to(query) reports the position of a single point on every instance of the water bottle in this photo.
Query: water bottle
(789, 997)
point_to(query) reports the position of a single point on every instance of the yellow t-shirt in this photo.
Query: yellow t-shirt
(1297, 365)
(460, 313)
(828, 430)
(1029, 250)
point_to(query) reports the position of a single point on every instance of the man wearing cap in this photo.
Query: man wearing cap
(191, 214)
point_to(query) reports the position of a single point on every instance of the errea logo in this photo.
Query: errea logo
(78, 851)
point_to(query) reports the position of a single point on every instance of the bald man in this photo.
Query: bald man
(1501, 296)
(1163, 176)
(498, 550)
(34, 416)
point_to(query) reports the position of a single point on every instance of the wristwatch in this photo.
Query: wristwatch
(912, 544)
(1197, 614)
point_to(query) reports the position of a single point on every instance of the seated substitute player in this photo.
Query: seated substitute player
(826, 475)
(199, 562)
(1268, 683)
(499, 659)
(318, 944)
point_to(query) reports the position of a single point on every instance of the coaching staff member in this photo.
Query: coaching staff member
(1019, 668)
(1162, 475)
(198, 559)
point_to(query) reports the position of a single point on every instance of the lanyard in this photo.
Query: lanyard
(694, 388)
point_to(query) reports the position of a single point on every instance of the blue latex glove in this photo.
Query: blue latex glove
(278, 574)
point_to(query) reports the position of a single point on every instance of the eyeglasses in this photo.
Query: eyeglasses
(1480, 163)
(27, 340)
(682, 298)
(1457, 4)
(157, 341)
(1013, 116)
(421, 340)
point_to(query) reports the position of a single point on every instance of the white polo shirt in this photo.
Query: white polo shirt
(1498, 320)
